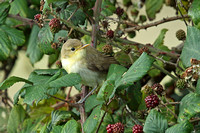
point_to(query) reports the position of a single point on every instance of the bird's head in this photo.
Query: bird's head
(73, 48)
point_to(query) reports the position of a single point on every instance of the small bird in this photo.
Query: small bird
(86, 61)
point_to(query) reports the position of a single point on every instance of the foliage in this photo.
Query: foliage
(42, 104)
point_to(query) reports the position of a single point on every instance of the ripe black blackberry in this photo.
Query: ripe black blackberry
(152, 101)
(158, 88)
(118, 128)
(119, 11)
(110, 34)
(137, 129)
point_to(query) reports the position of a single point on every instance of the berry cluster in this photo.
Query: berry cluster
(119, 11)
(181, 84)
(54, 25)
(180, 34)
(39, 20)
(110, 34)
(137, 129)
(108, 49)
(158, 88)
(152, 101)
(192, 73)
(115, 128)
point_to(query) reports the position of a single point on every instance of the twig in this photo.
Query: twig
(95, 25)
(181, 13)
(164, 20)
(165, 71)
(133, 118)
(195, 120)
(68, 94)
(28, 21)
(100, 122)
(172, 103)
(162, 103)
(73, 14)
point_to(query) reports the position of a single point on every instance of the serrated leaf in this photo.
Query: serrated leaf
(92, 120)
(33, 51)
(198, 87)
(10, 81)
(45, 38)
(57, 129)
(4, 9)
(191, 46)
(159, 42)
(71, 127)
(183, 127)
(107, 8)
(91, 102)
(48, 71)
(19, 7)
(61, 33)
(53, 58)
(153, 7)
(65, 81)
(16, 118)
(5, 46)
(51, 1)
(155, 123)
(194, 12)
(4, 115)
(114, 74)
(138, 69)
(189, 106)
(77, 19)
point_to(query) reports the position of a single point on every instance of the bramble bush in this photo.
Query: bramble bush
(131, 100)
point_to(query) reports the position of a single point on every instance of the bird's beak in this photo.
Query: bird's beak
(84, 46)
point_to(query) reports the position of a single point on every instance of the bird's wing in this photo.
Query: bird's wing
(97, 61)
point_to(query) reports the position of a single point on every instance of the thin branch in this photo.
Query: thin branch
(27, 21)
(95, 25)
(73, 14)
(133, 117)
(164, 20)
(172, 103)
(165, 71)
(100, 122)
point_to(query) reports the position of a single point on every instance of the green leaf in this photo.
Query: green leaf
(159, 42)
(189, 107)
(16, 118)
(19, 7)
(51, 1)
(107, 8)
(53, 58)
(65, 81)
(5, 46)
(61, 33)
(77, 19)
(91, 102)
(57, 129)
(153, 7)
(194, 12)
(183, 127)
(4, 9)
(33, 51)
(16, 36)
(71, 127)
(198, 87)
(114, 74)
(10, 81)
(45, 38)
(92, 120)
(136, 71)
(191, 48)
(4, 115)
(155, 123)
(48, 71)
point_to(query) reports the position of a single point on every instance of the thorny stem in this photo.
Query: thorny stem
(165, 71)
(95, 25)
(104, 114)
(164, 20)
(27, 21)
(133, 117)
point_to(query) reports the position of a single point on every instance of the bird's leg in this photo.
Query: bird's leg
(83, 99)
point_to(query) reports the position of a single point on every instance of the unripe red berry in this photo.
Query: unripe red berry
(110, 33)
(37, 17)
(109, 128)
(54, 25)
(118, 128)
(137, 129)
(152, 101)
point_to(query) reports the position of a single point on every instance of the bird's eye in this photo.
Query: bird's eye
(72, 49)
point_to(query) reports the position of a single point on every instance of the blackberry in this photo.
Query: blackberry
(180, 34)
(37, 17)
(105, 24)
(54, 25)
(110, 34)
(118, 128)
(152, 101)
(108, 49)
(119, 11)
(109, 128)
(181, 84)
(158, 88)
(137, 129)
